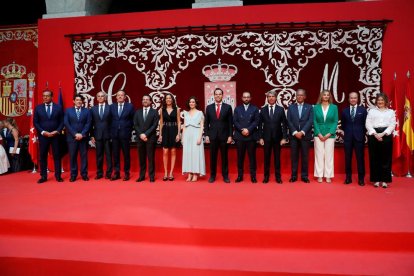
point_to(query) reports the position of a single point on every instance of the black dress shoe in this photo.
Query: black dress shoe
(126, 178)
(293, 179)
(266, 179)
(152, 179)
(108, 176)
(361, 182)
(98, 177)
(279, 180)
(85, 178)
(72, 179)
(306, 180)
(226, 180)
(42, 180)
(115, 177)
(211, 179)
(253, 179)
(140, 179)
(239, 179)
(59, 179)
(348, 181)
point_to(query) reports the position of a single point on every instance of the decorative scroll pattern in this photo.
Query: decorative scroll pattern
(20, 34)
(281, 55)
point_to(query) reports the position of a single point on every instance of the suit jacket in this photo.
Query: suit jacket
(73, 125)
(304, 123)
(147, 127)
(220, 128)
(276, 127)
(249, 119)
(101, 127)
(121, 126)
(354, 129)
(325, 126)
(43, 123)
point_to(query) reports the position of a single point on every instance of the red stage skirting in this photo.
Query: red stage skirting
(179, 228)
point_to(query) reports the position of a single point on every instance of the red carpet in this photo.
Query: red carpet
(179, 228)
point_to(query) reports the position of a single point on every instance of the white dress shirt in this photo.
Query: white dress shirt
(380, 118)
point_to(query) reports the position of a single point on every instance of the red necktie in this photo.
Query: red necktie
(218, 111)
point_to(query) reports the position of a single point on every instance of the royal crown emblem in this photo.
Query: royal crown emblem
(13, 71)
(219, 72)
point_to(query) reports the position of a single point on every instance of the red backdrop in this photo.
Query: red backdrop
(56, 59)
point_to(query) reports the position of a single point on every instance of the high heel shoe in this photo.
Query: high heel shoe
(190, 177)
(165, 178)
(171, 178)
(194, 179)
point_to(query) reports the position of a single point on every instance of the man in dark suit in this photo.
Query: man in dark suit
(353, 124)
(101, 136)
(145, 124)
(300, 120)
(122, 115)
(246, 119)
(78, 123)
(273, 134)
(48, 121)
(218, 129)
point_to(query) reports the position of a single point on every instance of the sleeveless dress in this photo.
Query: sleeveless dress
(169, 129)
(193, 154)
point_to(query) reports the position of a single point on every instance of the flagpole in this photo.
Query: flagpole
(409, 175)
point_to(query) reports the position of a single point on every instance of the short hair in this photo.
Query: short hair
(353, 92)
(384, 97)
(302, 90)
(192, 98)
(250, 94)
(218, 89)
(164, 101)
(321, 94)
(48, 90)
(147, 95)
(78, 95)
(103, 93)
(120, 91)
(271, 92)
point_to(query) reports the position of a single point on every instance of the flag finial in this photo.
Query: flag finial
(408, 74)
(395, 75)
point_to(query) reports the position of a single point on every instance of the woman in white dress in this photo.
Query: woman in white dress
(194, 163)
(4, 161)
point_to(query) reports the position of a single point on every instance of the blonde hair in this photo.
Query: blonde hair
(319, 101)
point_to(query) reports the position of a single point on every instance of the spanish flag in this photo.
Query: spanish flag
(408, 128)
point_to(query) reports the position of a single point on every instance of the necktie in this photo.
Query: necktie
(300, 111)
(145, 114)
(48, 110)
(353, 113)
(78, 112)
(218, 111)
(271, 112)
(101, 111)
(119, 110)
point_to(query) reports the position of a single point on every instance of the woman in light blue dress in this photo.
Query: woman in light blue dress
(194, 163)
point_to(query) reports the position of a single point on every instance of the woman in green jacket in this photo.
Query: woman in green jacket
(325, 122)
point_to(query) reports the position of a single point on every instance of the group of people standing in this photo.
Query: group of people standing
(109, 127)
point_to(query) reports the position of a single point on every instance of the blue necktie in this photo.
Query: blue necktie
(353, 113)
(101, 111)
(48, 110)
(271, 112)
(300, 111)
(78, 112)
